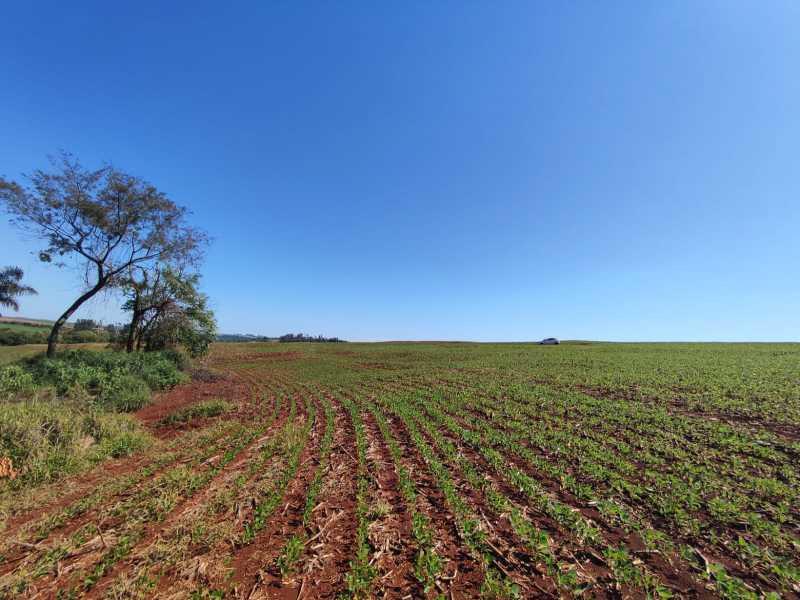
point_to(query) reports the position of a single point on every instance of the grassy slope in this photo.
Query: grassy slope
(10, 354)
(23, 327)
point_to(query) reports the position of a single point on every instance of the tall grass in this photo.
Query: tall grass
(61, 415)
(46, 437)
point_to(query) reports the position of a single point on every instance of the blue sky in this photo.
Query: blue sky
(438, 170)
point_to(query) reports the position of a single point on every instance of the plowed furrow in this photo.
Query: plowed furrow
(73, 512)
(329, 548)
(724, 551)
(462, 575)
(390, 529)
(84, 562)
(674, 575)
(162, 544)
(255, 570)
(510, 550)
(85, 519)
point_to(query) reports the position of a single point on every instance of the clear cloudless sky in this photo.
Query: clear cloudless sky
(437, 170)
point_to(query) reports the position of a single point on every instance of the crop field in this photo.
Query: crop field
(438, 470)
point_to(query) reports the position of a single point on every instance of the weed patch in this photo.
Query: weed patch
(46, 439)
(202, 410)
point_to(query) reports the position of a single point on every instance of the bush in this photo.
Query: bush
(161, 370)
(59, 415)
(93, 370)
(65, 375)
(17, 337)
(178, 358)
(46, 439)
(123, 393)
(15, 381)
(11, 337)
(82, 336)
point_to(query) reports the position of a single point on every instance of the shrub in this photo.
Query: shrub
(123, 393)
(46, 439)
(116, 437)
(81, 336)
(161, 370)
(92, 370)
(178, 358)
(15, 381)
(66, 372)
(11, 337)
(59, 415)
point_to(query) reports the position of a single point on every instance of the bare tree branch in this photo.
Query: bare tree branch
(106, 219)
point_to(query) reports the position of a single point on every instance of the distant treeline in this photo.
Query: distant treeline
(244, 337)
(289, 337)
(302, 337)
(83, 331)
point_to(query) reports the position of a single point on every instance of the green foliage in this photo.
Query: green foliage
(93, 370)
(123, 393)
(46, 438)
(289, 555)
(85, 325)
(18, 337)
(57, 415)
(109, 380)
(160, 370)
(198, 338)
(497, 587)
(16, 334)
(15, 381)
(202, 409)
(178, 314)
(11, 287)
(115, 223)
(302, 337)
(83, 336)
(176, 357)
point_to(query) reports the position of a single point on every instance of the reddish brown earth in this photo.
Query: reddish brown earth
(255, 572)
(329, 547)
(196, 548)
(390, 532)
(228, 387)
(463, 573)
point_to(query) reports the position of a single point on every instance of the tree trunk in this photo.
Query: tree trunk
(132, 337)
(135, 319)
(52, 339)
(145, 329)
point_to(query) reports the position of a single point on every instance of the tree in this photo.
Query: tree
(11, 287)
(103, 220)
(85, 325)
(148, 292)
(170, 311)
(302, 337)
